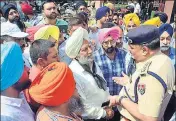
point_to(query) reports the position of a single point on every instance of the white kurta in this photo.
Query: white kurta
(92, 96)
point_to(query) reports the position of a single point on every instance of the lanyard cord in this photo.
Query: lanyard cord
(135, 91)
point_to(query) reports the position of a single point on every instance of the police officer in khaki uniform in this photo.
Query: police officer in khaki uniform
(146, 93)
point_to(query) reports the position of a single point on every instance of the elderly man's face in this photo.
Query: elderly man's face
(13, 15)
(131, 25)
(165, 41)
(50, 10)
(85, 56)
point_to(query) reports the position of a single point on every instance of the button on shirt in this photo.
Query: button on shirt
(111, 68)
(15, 109)
(91, 95)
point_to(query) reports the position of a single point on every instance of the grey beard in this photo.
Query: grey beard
(85, 60)
(164, 48)
(75, 105)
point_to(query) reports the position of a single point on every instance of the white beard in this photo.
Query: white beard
(164, 48)
(85, 60)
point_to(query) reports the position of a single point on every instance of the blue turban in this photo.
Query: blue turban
(12, 64)
(166, 27)
(101, 12)
(163, 16)
(7, 8)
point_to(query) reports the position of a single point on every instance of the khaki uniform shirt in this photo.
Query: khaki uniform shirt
(152, 98)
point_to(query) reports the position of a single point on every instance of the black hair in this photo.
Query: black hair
(130, 9)
(108, 25)
(153, 45)
(74, 21)
(83, 16)
(47, 1)
(116, 14)
(40, 49)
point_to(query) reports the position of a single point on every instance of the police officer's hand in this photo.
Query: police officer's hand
(109, 112)
(121, 80)
(113, 100)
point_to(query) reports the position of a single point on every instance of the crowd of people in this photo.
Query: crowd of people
(102, 64)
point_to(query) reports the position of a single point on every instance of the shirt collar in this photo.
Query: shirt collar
(17, 102)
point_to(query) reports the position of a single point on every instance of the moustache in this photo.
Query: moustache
(53, 13)
(110, 50)
(16, 18)
(164, 48)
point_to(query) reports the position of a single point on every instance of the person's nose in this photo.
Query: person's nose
(165, 41)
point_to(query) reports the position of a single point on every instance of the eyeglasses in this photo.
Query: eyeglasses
(111, 42)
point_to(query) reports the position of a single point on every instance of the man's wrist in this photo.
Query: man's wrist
(120, 99)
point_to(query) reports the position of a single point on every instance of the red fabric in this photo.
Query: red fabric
(54, 85)
(26, 8)
(34, 71)
(32, 30)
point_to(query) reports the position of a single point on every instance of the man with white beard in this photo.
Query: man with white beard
(91, 86)
(166, 32)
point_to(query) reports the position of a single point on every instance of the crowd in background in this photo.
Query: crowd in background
(97, 64)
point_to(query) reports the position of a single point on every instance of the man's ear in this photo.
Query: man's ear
(145, 50)
(41, 62)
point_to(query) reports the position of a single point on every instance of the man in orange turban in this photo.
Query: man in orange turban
(55, 89)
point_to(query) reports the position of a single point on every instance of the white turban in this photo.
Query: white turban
(74, 43)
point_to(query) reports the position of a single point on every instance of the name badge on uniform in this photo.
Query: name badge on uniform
(141, 88)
